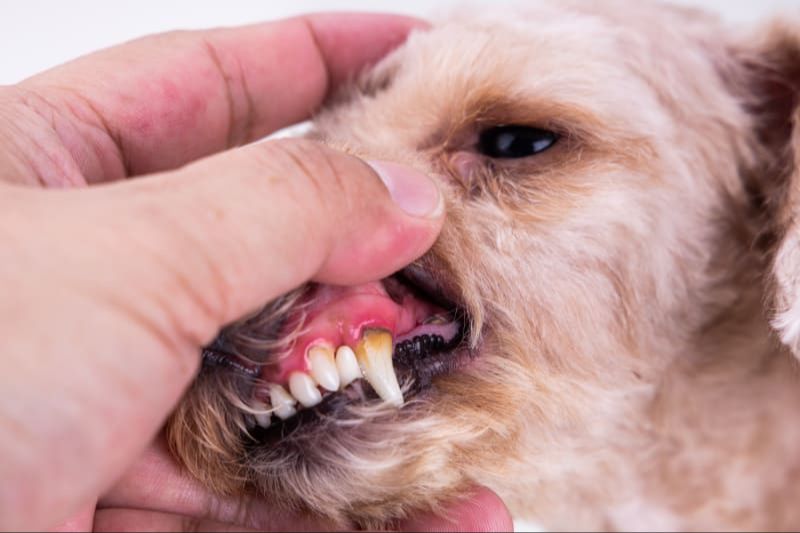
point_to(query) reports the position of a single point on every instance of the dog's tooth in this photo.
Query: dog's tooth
(304, 389)
(263, 417)
(347, 366)
(374, 354)
(282, 402)
(437, 319)
(323, 367)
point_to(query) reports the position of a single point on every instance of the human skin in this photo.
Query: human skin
(111, 285)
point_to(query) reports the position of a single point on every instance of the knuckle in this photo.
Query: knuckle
(313, 168)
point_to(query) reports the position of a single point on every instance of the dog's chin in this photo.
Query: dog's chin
(353, 457)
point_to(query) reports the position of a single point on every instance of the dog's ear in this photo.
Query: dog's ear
(769, 66)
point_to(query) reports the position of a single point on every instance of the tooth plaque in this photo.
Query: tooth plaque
(374, 355)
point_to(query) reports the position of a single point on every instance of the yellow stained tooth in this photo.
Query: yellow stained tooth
(323, 367)
(374, 355)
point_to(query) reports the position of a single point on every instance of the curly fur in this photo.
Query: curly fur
(623, 286)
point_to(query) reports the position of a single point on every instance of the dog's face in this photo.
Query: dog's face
(598, 164)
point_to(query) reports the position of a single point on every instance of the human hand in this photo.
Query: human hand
(109, 291)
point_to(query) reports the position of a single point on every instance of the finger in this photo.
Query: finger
(159, 102)
(155, 482)
(482, 510)
(130, 279)
(147, 520)
(243, 227)
(80, 521)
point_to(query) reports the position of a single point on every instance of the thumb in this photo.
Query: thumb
(114, 288)
(249, 225)
(219, 238)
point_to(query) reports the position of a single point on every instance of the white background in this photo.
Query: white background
(37, 34)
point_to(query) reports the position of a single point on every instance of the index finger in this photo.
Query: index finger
(162, 101)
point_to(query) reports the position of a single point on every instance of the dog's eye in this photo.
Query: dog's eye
(512, 142)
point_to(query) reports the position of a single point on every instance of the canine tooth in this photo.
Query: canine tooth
(282, 402)
(374, 354)
(347, 365)
(263, 417)
(304, 389)
(323, 367)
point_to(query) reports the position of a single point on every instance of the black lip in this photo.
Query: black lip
(215, 357)
(218, 355)
(424, 364)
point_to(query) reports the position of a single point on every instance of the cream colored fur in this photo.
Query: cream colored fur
(623, 285)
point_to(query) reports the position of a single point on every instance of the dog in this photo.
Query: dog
(604, 333)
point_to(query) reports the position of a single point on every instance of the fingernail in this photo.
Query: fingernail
(413, 192)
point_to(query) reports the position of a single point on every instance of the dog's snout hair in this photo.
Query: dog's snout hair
(633, 291)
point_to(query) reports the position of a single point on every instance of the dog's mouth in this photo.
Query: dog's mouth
(378, 343)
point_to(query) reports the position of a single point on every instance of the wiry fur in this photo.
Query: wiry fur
(622, 285)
